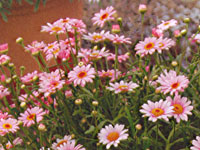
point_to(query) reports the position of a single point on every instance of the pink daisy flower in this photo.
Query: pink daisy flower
(171, 83)
(196, 38)
(30, 115)
(116, 39)
(55, 28)
(77, 25)
(28, 97)
(28, 78)
(196, 144)
(103, 16)
(182, 107)
(157, 32)
(3, 48)
(148, 46)
(109, 74)
(3, 91)
(121, 58)
(4, 59)
(59, 142)
(8, 125)
(4, 115)
(157, 110)
(96, 37)
(81, 75)
(52, 50)
(122, 87)
(35, 47)
(71, 146)
(165, 44)
(112, 135)
(165, 25)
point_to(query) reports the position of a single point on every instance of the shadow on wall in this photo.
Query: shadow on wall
(24, 22)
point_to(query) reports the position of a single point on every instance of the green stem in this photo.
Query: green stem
(116, 59)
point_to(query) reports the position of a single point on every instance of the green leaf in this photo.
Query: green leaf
(4, 17)
(30, 2)
(44, 2)
(19, 1)
(37, 5)
(90, 130)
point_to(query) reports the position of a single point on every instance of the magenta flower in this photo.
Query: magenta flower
(171, 83)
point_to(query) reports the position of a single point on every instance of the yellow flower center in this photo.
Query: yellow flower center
(61, 142)
(123, 88)
(97, 37)
(113, 136)
(166, 23)
(178, 109)
(7, 126)
(56, 29)
(56, 51)
(157, 112)
(82, 74)
(31, 117)
(161, 44)
(104, 16)
(149, 46)
(175, 85)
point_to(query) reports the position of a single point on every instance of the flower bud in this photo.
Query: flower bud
(78, 101)
(98, 144)
(42, 127)
(138, 126)
(142, 8)
(95, 103)
(19, 122)
(36, 53)
(157, 91)
(174, 63)
(183, 32)
(95, 47)
(80, 64)
(23, 104)
(83, 121)
(177, 34)
(8, 80)
(155, 77)
(35, 78)
(115, 28)
(4, 48)
(22, 68)
(2, 78)
(94, 112)
(199, 28)
(145, 78)
(23, 86)
(11, 65)
(119, 19)
(72, 136)
(19, 40)
(14, 77)
(186, 20)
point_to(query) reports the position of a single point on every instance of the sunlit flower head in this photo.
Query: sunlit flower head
(109, 74)
(8, 125)
(165, 44)
(165, 25)
(157, 110)
(112, 135)
(55, 28)
(35, 47)
(122, 87)
(182, 107)
(103, 16)
(96, 37)
(116, 39)
(81, 75)
(52, 50)
(121, 58)
(148, 46)
(59, 142)
(31, 115)
(172, 83)
(28, 78)
(196, 144)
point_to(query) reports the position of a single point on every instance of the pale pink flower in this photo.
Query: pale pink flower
(68, 93)
(28, 78)
(157, 32)
(115, 28)
(59, 142)
(116, 39)
(51, 82)
(96, 37)
(122, 87)
(81, 75)
(77, 25)
(157, 110)
(8, 125)
(177, 33)
(4, 115)
(67, 43)
(103, 16)
(182, 107)
(109, 74)
(52, 50)
(30, 115)
(148, 46)
(121, 58)
(196, 144)
(142, 8)
(165, 25)
(4, 59)
(35, 47)
(3, 91)
(196, 38)
(28, 97)
(172, 83)
(17, 141)
(3, 48)
(71, 146)
(112, 135)
(165, 44)
(55, 28)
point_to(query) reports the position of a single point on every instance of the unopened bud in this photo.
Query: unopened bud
(138, 126)
(14, 77)
(19, 122)
(142, 8)
(23, 86)
(36, 53)
(94, 90)
(35, 78)
(22, 68)
(119, 19)
(83, 121)
(183, 32)
(145, 78)
(174, 63)
(186, 20)
(23, 104)
(80, 64)
(8, 80)
(95, 47)
(157, 91)
(42, 127)
(72, 136)
(98, 144)
(94, 112)
(155, 77)
(19, 40)
(11, 65)
(115, 28)
(95, 103)
(78, 101)
(4, 48)
(199, 28)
